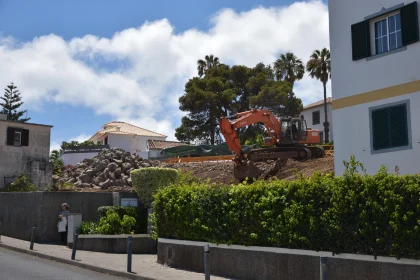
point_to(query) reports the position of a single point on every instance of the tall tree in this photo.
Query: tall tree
(12, 102)
(206, 99)
(208, 62)
(289, 68)
(319, 67)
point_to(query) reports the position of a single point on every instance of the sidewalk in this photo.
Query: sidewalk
(144, 267)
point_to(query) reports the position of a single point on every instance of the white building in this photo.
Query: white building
(375, 56)
(131, 138)
(314, 115)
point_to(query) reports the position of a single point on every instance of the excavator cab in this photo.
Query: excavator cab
(293, 130)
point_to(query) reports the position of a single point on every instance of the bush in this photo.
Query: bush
(148, 180)
(20, 184)
(355, 213)
(139, 214)
(111, 223)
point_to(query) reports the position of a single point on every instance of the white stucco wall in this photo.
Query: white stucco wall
(351, 124)
(307, 114)
(75, 158)
(132, 144)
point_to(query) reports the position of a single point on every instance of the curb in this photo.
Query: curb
(126, 275)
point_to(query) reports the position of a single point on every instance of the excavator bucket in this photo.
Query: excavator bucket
(246, 170)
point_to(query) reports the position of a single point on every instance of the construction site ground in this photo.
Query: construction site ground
(222, 171)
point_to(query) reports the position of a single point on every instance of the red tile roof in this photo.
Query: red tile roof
(321, 102)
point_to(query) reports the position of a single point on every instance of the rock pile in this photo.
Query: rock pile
(109, 169)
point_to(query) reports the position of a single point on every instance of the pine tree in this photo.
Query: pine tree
(12, 102)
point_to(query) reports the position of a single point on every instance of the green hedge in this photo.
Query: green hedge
(355, 213)
(138, 213)
(148, 180)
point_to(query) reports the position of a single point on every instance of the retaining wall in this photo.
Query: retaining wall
(20, 210)
(141, 243)
(240, 262)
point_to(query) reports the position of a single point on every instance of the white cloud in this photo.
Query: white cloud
(151, 63)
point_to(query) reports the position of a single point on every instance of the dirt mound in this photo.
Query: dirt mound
(222, 171)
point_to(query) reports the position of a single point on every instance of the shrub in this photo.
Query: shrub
(111, 223)
(148, 180)
(355, 213)
(138, 213)
(20, 184)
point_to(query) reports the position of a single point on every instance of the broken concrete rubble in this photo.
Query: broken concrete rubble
(109, 170)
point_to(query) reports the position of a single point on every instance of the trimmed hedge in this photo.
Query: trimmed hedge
(355, 213)
(148, 180)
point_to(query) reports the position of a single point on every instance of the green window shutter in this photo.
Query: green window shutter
(380, 129)
(360, 40)
(315, 118)
(409, 24)
(10, 136)
(398, 126)
(390, 127)
(25, 137)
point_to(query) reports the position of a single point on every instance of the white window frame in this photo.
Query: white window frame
(20, 138)
(373, 33)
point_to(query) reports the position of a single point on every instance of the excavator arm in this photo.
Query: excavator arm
(228, 126)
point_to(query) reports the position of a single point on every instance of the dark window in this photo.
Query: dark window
(390, 127)
(17, 137)
(398, 28)
(316, 119)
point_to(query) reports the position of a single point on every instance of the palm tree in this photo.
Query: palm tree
(289, 68)
(319, 67)
(209, 62)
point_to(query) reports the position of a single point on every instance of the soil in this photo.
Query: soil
(223, 171)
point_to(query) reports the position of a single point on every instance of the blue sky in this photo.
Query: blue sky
(80, 64)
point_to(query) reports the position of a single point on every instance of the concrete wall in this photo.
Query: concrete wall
(133, 144)
(117, 244)
(18, 212)
(351, 124)
(32, 159)
(307, 114)
(240, 262)
(75, 158)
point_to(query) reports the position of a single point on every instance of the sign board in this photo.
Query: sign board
(133, 202)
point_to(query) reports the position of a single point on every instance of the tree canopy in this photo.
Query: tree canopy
(224, 90)
(11, 103)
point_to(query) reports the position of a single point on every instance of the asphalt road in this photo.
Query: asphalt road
(18, 266)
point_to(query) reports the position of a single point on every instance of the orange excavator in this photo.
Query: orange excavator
(289, 138)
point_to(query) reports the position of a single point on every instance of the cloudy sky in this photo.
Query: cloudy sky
(80, 64)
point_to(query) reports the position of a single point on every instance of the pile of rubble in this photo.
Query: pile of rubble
(109, 170)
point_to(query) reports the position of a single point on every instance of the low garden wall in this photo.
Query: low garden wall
(241, 262)
(141, 243)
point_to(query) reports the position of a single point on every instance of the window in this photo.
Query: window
(389, 30)
(390, 127)
(316, 119)
(17, 137)
(388, 34)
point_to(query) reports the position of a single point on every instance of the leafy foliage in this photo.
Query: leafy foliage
(11, 103)
(20, 184)
(114, 220)
(138, 213)
(356, 213)
(68, 145)
(57, 162)
(148, 180)
(289, 68)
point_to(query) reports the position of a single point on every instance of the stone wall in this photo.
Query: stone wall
(240, 262)
(19, 211)
(32, 159)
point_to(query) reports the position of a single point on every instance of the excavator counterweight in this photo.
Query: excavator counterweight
(288, 138)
